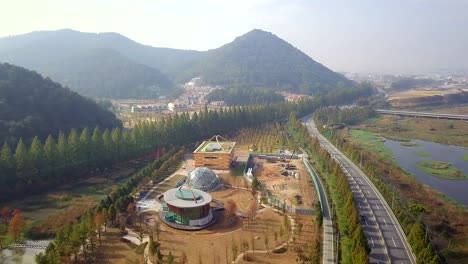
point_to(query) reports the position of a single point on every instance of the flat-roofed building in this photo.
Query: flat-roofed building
(216, 153)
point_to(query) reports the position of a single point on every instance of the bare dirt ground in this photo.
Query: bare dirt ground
(303, 240)
(299, 192)
(113, 250)
(212, 244)
(243, 198)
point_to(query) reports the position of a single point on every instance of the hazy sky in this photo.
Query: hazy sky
(393, 36)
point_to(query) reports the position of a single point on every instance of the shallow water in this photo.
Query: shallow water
(22, 255)
(408, 159)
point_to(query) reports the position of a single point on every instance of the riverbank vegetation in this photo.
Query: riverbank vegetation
(441, 169)
(423, 153)
(443, 220)
(449, 132)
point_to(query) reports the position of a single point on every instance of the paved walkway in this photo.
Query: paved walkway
(328, 252)
(154, 205)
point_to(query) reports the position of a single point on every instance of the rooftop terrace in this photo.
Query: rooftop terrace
(216, 147)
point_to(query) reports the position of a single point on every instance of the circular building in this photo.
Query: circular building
(204, 179)
(187, 208)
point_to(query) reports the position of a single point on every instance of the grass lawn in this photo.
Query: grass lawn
(465, 157)
(373, 141)
(423, 153)
(441, 169)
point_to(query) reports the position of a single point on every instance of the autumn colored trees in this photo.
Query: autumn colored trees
(11, 226)
(80, 237)
(230, 209)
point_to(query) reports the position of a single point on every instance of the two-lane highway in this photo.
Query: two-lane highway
(383, 231)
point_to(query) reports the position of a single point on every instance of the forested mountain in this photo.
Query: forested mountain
(243, 95)
(38, 49)
(107, 73)
(85, 61)
(33, 106)
(98, 65)
(261, 59)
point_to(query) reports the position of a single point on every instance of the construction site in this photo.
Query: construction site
(228, 212)
(286, 182)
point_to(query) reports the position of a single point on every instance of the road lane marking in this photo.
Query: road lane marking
(384, 221)
(376, 205)
(394, 242)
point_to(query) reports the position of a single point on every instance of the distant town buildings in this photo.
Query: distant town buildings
(195, 92)
(293, 97)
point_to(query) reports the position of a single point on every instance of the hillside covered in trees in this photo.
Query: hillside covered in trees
(106, 73)
(99, 65)
(261, 59)
(242, 95)
(33, 106)
(111, 65)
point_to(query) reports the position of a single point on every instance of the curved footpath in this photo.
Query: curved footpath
(328, 252)
(386, 238)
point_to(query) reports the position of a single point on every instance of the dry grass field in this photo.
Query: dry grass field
(413, 93)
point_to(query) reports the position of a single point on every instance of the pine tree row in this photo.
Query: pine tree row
(413, 227)
(354, 247)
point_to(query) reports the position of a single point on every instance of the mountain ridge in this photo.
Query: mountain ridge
(257, 59)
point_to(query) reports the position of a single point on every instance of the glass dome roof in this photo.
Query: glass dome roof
(203, 179)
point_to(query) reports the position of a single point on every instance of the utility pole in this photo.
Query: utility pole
(425, 238)
(360, 162)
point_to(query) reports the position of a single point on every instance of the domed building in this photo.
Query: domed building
(202, 178)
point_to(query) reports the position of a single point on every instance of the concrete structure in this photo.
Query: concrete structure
(187, 208)
(423, 114)
(215, 154)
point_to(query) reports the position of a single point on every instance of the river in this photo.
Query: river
(408, 159)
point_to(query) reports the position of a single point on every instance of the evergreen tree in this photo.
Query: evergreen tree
(117, 143)
(23, 162)
(50, 157)
(63, 159)
(96, 148)
(107, 148)
(7, 169)
(85, 141)
(36, 155)
(74, 150)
